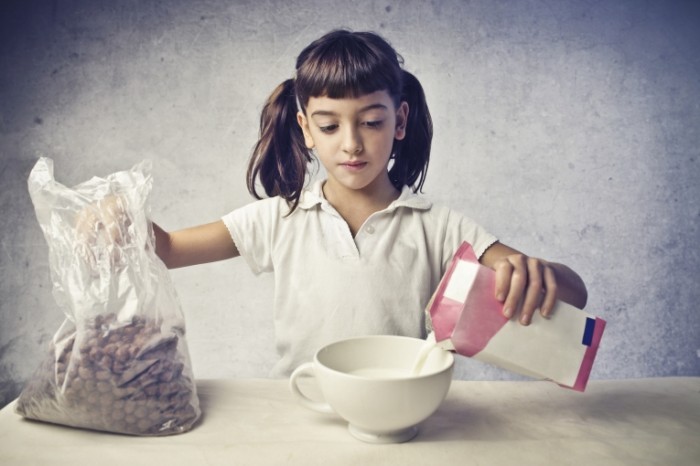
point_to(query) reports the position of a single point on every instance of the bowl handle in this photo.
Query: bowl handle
(307, 369)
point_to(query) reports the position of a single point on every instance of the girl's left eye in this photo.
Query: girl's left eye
(374, 123)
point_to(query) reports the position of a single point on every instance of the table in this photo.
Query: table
(257, 421)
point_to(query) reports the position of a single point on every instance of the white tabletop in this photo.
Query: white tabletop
(642, 421)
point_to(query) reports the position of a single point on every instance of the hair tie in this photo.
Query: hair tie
(296, 98)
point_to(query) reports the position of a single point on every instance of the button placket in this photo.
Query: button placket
(337, 232)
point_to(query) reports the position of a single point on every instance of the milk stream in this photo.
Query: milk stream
(429, 345)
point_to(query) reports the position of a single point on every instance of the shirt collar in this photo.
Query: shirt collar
(313, 196)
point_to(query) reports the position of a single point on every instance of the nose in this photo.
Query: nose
(352, 143)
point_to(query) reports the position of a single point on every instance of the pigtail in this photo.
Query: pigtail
(412, 154)
(280, 156)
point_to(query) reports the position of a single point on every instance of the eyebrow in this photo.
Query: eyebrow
(363, 109)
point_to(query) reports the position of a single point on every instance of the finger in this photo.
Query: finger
(518, 281)
(116, 220)
(533, 293)
(504, 270)
(113, 229)
(86, 225)
(112, 216)
(550, 297)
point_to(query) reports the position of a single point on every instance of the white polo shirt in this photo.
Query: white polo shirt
(329, 285)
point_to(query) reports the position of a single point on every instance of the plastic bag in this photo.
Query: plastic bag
(119, 362)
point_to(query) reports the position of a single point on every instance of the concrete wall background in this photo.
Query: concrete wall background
(568, 128)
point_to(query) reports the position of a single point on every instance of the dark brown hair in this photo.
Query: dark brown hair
(341, 64)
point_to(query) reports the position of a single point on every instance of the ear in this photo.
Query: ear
(401, 121)
(304, 124)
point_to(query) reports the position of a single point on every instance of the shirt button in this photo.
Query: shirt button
(369, 229)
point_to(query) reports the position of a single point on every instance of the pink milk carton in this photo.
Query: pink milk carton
(467, 318)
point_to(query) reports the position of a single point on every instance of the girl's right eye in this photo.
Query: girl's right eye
(327, 128)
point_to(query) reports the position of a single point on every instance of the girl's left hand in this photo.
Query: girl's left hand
(526, 284)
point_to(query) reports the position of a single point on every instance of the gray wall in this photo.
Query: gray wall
(568, 128)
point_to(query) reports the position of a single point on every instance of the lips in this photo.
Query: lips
(353, 165)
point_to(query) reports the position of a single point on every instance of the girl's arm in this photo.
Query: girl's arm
(529, 283)
(197, 245)
(107, 218)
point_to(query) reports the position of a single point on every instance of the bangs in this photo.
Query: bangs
(347, 67)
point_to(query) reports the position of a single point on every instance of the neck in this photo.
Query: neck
(377, 195)
(356, 205)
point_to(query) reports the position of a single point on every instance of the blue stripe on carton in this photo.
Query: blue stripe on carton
(588, 331)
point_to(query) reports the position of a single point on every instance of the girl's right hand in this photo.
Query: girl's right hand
(102, 227)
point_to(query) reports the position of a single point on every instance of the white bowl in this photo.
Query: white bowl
(368, 381)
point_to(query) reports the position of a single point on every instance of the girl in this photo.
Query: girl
(359, 252)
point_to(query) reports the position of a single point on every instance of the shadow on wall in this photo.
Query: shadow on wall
(9, 385)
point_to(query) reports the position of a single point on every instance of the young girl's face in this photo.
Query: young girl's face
(353, 137)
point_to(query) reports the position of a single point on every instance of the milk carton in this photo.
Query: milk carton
(466, 317)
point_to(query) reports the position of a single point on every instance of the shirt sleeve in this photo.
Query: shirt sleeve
(461, 228)
(252, 229)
